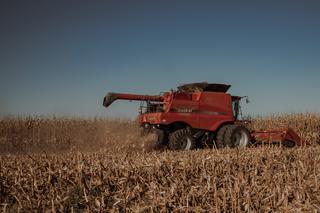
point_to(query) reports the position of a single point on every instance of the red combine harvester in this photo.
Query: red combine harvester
(200, 114)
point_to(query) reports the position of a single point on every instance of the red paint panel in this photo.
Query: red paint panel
(219, 106)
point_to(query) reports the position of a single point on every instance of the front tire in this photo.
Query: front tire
(181, 140)
(220, 143)
(237, 136)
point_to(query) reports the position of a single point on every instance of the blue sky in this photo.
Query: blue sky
(61, 57)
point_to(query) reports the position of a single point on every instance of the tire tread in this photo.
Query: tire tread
(176, 136)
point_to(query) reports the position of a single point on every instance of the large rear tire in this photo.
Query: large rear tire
(220, 137)
(237, 136)
(181, 140)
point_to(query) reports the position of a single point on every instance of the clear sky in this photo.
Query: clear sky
(62, 56)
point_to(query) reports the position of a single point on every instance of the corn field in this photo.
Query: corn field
(104, 165)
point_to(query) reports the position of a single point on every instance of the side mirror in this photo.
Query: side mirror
(247, 99)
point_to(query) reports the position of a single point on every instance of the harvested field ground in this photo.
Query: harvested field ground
(73, 164)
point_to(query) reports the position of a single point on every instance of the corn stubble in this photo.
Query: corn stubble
(74, 164)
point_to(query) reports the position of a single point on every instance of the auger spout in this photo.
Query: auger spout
(111, 97)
